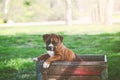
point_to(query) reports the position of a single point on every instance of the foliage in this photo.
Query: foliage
(17, 51)
(46, 10)
(35, 10)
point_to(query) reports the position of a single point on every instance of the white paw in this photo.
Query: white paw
(35, 59)
(46, 65)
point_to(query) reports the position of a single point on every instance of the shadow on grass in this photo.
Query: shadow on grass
(7, 73)
(114, 67)
(24, 72)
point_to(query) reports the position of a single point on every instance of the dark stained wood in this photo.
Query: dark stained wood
(93, 67)
(52, 77)
(85, 63)
(74, 70)
(92, 57)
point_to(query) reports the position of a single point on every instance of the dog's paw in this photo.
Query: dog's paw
(35, 59)
(46, 65)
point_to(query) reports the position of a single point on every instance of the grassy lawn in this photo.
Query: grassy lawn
(17, 48)
(73, 29)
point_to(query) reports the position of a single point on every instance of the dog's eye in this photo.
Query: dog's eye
(54, 42)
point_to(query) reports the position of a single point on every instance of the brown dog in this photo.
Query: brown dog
(56, 51)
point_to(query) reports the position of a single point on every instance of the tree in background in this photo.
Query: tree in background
(95, 12)
(68, 12)
(100, 11)
(109, 12)
(5, 10)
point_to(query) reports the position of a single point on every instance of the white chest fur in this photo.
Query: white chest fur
(51, 53)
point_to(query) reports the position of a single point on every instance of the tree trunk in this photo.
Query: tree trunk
(109, 10)
(95, 12)
(68, 12)
(80, 5)
(6, 7)
(102, 4)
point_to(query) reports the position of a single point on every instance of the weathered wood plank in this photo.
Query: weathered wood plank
(60, 63)
(52, 77)
(92, 57)
(93, 67)
(74, 70)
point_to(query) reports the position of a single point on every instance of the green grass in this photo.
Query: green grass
(16, 52)
(18, 45)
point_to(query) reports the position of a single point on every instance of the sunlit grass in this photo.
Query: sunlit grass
(73, 29)
(17, 69)
(18, 63)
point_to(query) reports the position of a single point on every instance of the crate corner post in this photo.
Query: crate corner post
(39, 70)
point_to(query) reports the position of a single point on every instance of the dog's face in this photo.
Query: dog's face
(52, 41)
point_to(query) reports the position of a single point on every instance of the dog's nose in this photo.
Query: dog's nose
(49, 48)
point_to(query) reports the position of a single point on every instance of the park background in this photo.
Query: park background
(88, 27)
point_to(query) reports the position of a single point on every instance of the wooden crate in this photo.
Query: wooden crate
(93, 67)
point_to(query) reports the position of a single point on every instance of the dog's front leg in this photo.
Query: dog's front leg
(47, 63)
(42, 57)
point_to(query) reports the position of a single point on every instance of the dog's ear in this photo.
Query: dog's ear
(61, 38)
(45, 37)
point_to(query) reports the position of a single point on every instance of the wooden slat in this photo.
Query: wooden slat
(92, 57)
(60, 63)
(72, 70)
(73, 78)
(55, 77)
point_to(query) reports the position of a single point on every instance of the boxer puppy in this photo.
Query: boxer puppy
(56, 51)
